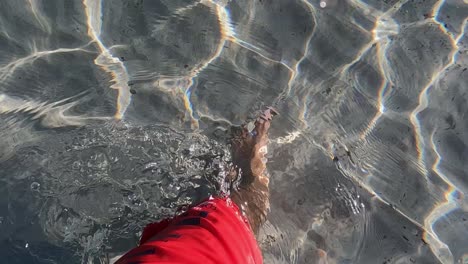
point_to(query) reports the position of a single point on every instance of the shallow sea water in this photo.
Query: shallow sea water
(116, 113)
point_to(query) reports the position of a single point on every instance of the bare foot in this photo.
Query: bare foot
(248, 152)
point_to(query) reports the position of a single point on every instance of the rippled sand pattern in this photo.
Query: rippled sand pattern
(114, 114)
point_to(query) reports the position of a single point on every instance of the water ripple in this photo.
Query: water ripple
(370, 137)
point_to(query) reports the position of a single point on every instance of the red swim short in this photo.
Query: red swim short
(214, 231)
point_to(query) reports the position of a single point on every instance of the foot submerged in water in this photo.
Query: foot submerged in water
(203, 229)
(249, 151)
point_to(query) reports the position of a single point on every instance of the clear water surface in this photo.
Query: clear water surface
(115, 113)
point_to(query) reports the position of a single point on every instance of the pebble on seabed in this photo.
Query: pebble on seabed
(35, 186)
